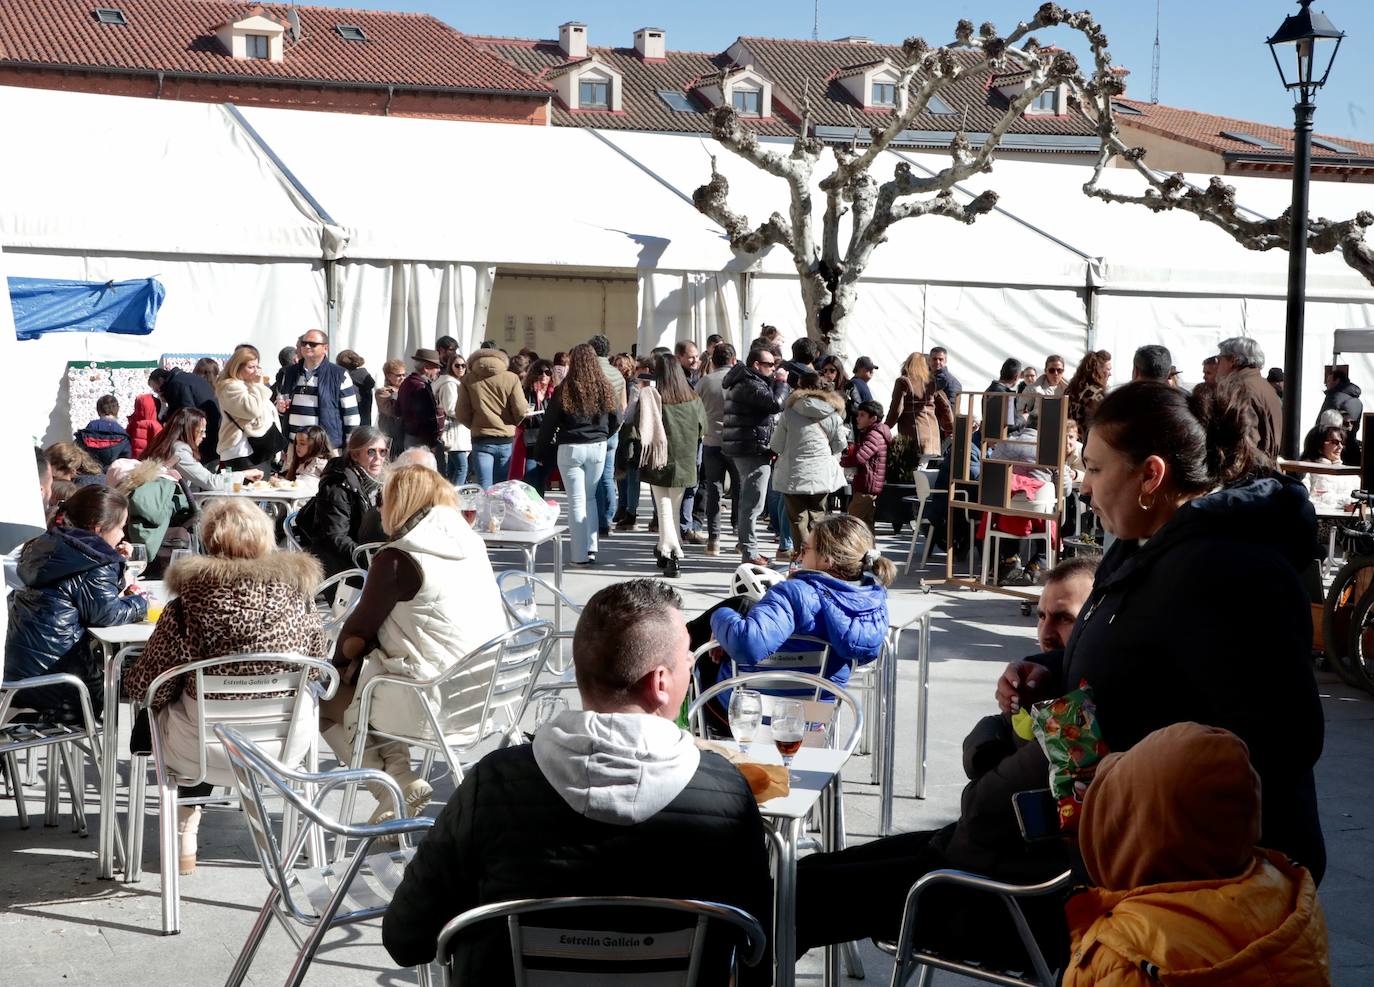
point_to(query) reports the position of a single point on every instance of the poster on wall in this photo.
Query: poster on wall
(89, 381)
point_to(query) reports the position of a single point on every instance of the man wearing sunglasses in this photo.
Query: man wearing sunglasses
(753, 398)
(318, 392)
(1051, 384)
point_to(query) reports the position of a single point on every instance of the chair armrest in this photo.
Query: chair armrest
(8, 690)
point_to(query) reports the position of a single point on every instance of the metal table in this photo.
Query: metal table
(528, 542)
(814, 773)
(293, 497)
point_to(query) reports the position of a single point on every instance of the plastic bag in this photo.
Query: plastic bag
(1069, 734)
(525, 509)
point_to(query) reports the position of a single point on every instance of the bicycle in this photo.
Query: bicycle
(1348, 613)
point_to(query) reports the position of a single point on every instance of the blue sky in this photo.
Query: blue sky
(1214, 57)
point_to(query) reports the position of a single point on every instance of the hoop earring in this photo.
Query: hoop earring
(1140, 502)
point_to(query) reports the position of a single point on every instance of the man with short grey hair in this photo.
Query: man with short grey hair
(1152, 362)
(1239, 361)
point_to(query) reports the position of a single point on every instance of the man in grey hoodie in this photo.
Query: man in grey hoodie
(612, 799)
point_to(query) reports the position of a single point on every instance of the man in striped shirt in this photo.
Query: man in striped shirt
(317, 392)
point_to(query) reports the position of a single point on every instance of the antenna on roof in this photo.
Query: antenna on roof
(293, 18)
(1154, 68)
(816, 23)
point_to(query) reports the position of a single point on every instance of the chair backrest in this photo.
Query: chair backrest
(362, 555)
(259, 777)
(21, 736)
(580, 950)
(783, 685)
(289, 528)
(519, 594)
(799, 653)
(337, 597)
(496, 677)
(909, 957)
(276, 707)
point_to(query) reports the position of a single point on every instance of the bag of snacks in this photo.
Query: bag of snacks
(1068, 732)
(525, 509)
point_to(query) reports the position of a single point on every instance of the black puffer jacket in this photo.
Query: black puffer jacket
(1208, 622)
(752, 403)
(333, 518)
(188, 390)
(508, 833)
(72, 581)
(1345, 399)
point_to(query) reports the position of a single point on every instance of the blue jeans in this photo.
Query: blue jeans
(456, 467)
(490, 460)
(605, 487)
(754, 472)
(582, 466)
(536, 475)
(629, 491)
(715, 466)
(776, 509)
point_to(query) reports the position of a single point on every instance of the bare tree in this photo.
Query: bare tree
(830, 272)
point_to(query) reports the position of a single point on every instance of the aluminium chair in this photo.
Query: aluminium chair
(362, 555)
(520, 595)
(336, 598)
(545, 955)
(912, 960)
(290, 527)
(286, 703)
(314, 900)
(921, 522)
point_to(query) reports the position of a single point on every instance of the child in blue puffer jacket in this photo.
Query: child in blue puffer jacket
(838, 595)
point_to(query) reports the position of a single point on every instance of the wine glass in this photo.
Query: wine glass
(137, 561)
(178, 554)
(496, 513)
(746, 715)
(469, 497)
(789, 724)
(549, 706)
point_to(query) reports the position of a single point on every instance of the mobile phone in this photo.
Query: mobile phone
(1037, 813)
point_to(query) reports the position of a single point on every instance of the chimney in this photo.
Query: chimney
(650, 44)
(572, 38)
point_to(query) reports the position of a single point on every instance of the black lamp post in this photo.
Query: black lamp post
(1303, 40)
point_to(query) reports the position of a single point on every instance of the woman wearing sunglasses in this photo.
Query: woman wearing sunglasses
(348, 490)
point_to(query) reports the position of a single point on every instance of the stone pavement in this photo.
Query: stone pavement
(59, 925)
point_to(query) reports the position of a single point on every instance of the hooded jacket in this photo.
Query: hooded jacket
(1345, 399)
(154, 499)
(491, 402)
(683, 425)
(599, 804)
(868, 457)
(143, 425)
(105, 440)
(1182, 896)
(72, 581)
(752, 403)
(852, 617)
(1206, 622)
(808, 439)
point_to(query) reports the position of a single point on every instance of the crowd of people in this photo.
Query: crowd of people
(1181, 479)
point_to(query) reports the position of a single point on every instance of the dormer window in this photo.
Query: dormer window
(257, 46)
(594, 94)
(884, 94)
(1047, 101)
(747, 101)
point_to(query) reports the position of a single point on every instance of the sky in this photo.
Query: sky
(1213, 56)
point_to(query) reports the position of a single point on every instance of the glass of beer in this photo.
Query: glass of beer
(788, 727)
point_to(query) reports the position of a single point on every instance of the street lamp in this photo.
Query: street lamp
(1303, 39)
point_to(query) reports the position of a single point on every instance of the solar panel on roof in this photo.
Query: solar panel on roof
(1329, 145)
(350, 32)
(1259, 142)
(110, 15)
(677, 102)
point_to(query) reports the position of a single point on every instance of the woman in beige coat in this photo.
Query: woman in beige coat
(913, 405)
(247, 411)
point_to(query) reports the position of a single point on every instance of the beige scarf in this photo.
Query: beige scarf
(652, 437)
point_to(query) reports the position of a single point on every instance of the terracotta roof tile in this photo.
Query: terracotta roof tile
(178, 36)
(1204, 130)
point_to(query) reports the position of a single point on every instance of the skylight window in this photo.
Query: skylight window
(1251, 139)
(1329, 145)
(677, 102)
(939, 107)
(1128, 111)
(110, 15)
(350, 32)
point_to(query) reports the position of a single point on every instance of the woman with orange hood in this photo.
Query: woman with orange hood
(1182, 893)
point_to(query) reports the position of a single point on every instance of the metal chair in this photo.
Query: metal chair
(64, 745)
(994, 538)
(911, 960)
(362, 555)
(318, 899)
(923, 492)
(336, 598)
(519, 594)
(543, 956)
(464, 704)
(290, 528)
(273, 719)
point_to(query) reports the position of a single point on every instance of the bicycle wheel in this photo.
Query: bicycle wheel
(1359, 658)
(1349, 586)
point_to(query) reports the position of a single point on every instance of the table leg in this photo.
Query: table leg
(833, 839)
(887, 739)
(109, 768)
(922, 702)
(785, 905)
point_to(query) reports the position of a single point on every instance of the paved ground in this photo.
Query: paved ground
(59, 925)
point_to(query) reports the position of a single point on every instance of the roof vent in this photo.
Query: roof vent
(350, 32)
(853, 39)
(110, 15)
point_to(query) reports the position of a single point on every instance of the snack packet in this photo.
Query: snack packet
(1069, 734)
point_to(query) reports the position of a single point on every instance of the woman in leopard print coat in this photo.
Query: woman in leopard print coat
(245, 596)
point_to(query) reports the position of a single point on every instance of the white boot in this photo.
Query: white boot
(336, 736)
(188, 826)
(396, 758)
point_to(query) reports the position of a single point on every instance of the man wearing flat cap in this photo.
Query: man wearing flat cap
(421, 417)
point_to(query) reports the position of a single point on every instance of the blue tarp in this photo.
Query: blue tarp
(42, 305)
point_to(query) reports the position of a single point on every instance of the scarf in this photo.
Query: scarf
(652, 436)
(367, 486)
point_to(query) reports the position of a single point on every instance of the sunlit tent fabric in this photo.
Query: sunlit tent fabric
(43, 305)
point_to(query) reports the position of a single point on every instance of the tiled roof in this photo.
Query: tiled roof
(795, 66)
(1204, 130)
(177, 36)
(641, 106)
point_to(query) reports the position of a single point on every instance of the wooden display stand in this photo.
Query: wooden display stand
(992, 494)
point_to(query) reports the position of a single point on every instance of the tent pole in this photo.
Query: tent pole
(331, 286)
(1090, 301)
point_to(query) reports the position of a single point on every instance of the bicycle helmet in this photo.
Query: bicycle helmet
(753, 580)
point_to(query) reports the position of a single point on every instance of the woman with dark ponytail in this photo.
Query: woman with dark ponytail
(73, 578)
